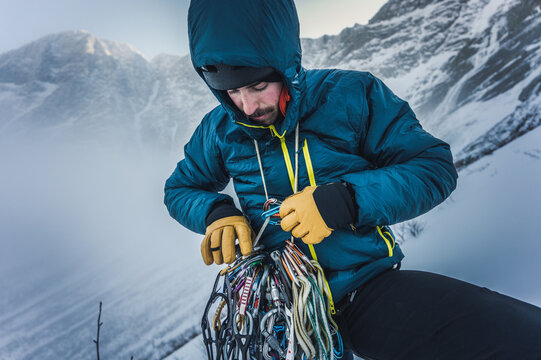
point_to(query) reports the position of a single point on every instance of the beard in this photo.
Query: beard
(270, 113)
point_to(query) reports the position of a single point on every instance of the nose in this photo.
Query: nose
(249, 103)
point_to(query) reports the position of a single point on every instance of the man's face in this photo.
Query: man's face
(258, 101)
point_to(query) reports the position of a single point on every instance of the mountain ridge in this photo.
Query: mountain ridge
(464, 66)
(445, 56)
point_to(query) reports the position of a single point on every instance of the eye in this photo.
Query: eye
(260, 86)
(232, 92)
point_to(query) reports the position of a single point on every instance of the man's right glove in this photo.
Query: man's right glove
(219, 242)
(314, 213)
(301, 216)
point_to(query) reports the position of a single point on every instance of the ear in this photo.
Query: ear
(284, 98)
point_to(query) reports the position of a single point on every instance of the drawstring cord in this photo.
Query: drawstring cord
(296, 173)
(261, 169)
(296, 160)
(295, 182)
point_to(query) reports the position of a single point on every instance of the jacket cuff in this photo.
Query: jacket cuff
(336, 205)
(221, 210)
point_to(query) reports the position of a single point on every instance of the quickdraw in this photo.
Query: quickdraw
(271, 306)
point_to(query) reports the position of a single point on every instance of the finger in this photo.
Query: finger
(289, 222)
(228, 244)
(205, 250)
(287, 207)
(299, 231)
(311, 238)
(215, 246)
(244, 233)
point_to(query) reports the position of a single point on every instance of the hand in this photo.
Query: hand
(219, 242)
(301, 216)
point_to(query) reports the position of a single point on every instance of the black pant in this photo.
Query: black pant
(417, 315)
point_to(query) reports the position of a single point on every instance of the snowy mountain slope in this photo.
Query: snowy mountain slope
(73, 81)
(74, 86)
(178, 104)
(486, 232)
(82, 225)
(463, 65)
(525, 118)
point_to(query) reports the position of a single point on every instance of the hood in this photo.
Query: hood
(254, 33)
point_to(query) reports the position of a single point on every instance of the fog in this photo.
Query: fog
(82, 223)
(66, 204)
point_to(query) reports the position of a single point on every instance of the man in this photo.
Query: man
(364, 162)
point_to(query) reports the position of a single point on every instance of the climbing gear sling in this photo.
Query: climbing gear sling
(270, 306)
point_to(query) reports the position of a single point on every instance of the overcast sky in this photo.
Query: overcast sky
(152, 27)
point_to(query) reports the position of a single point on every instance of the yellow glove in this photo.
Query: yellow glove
(219, 242)
(300, 215)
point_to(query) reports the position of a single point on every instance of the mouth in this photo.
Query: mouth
(259, 116)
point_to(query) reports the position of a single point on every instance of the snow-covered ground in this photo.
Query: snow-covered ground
(81, 226)
(487, 231)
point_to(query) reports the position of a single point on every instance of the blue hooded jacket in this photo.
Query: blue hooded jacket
(352, 128)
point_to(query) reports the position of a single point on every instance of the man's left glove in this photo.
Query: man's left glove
(314, 213)
(219, 242)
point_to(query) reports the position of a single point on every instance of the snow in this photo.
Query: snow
(90, 43)
(450, 30)
(82, 226)
(486, 233)
(482, 21)
(402, 85)
(472, 120)
(137, 117)
(15, 99)
(195, 349)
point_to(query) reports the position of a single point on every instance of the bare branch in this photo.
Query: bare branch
(97, 341)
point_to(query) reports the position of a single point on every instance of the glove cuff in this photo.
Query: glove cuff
(335, 204)
(221, 210)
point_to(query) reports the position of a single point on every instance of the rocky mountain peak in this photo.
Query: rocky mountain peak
(59, 57)
(397, 8)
